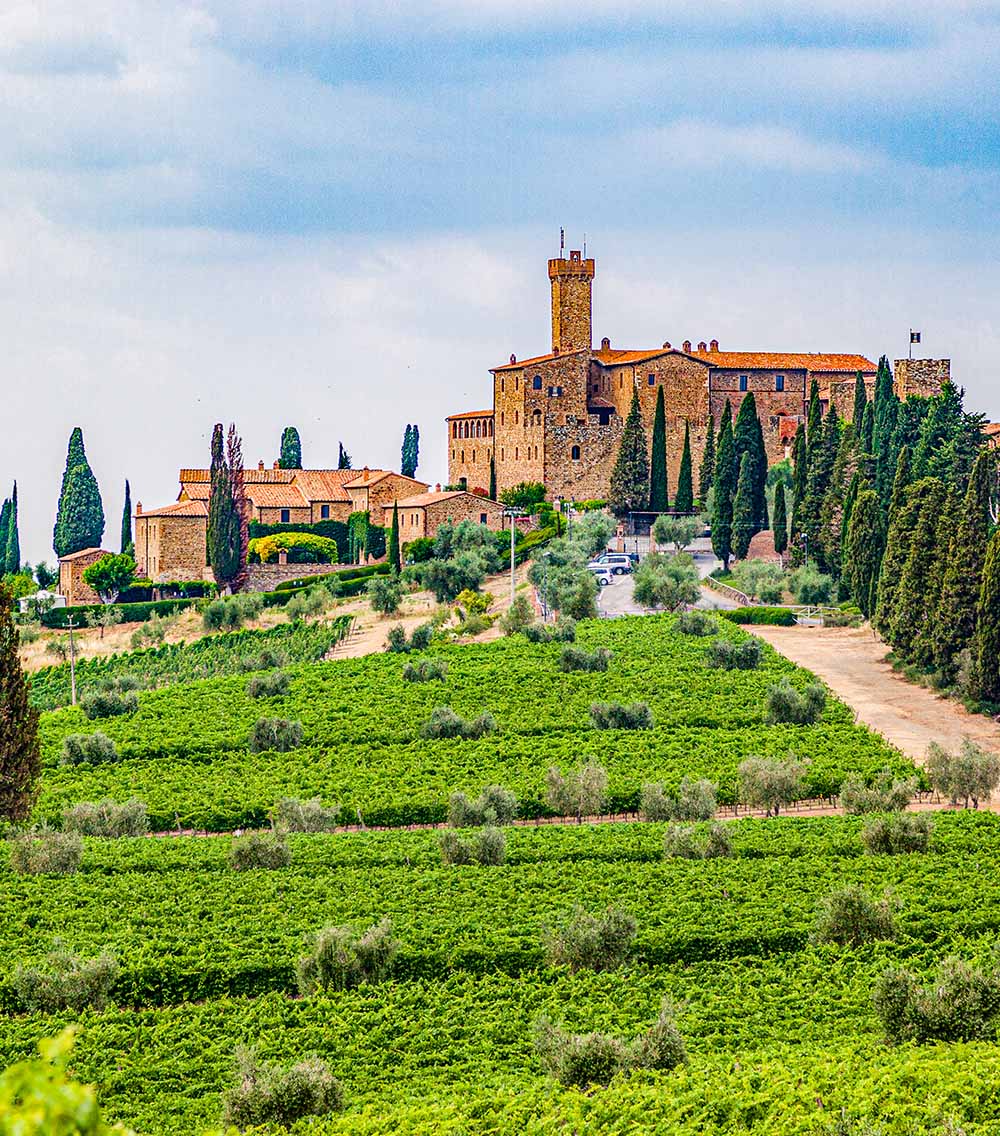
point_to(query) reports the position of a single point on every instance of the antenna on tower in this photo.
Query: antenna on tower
(562, 241)
(584, 246)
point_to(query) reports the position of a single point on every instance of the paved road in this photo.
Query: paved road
(616, 599)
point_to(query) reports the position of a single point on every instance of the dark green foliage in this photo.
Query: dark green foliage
(425, 670)
(88, 749)
(111, 575)
(265, 849)
(410, 456)
(724, 490)
(684, 498)
(885, 794)
(577, 659)
(127, 544)
(849, 917)
(729, 656)
(986, 644)
(659, 494)
(858, 482)
(525, 495)
(695, 800)
(492, 491)
(275, 735)
(10, 549)
(630, 477)
(866, 438)
(960, 1004)
(779, 523)
(110, 700)
(823, 452)
(860, 402)
(886, 406)
(814, 422)
(445, 723)
(698, 623)
(272, 1095)
(904, 528)
(706, 471)
(385, 594)
(918, 591)
(65, 981)
(897, 835)
(4, 536)
(743, 506)
(343, 457)
(341, 959)
(80, 516)
(748, 439)
(290, 455)
(800, 455)
(270, 684)
(949, 439)
(494, 806)
(228, 536)
(618, 716)
(769, 616)
(786, 704)
(20, 756)
(591, 942)
(395, 560)
(419, 640)
(562, 631)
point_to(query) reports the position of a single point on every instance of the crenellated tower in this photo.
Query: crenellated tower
(571, 303)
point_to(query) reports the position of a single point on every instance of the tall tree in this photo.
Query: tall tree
(706, 471)
(866, 439)
(493, 479)
(836, 504)
(630, 476)
(291, 449)
(748, 438)
(743, 506)
(954, 624)
(814, 421)
(854, 488)
(779, 524)
(986, 644)
(20, 753)
(724, 490)
(900, 483)
(800, 483)
(13, 537)
(343, 458)
(394, 558)
(903, 525)
(884, 446)
(128, 545)
(684, 499)
(659, 494)
(80, 517)
(4, 535)
(415, 444)
(410, 452)
(860, 402)
(227, 511)
(916, 594)
(864, 546)
(822, 460)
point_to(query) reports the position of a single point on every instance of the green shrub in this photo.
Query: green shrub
(661, 1046)
(445, 723)
(45, 852)
(960, 1004)
(271, 1095)
(770, 783)
(886, 794)
(577, 659)
(307, 603)
(591, 942)
(518, 616)
(58, 617)
(107, 818)
(341, 959)
(786, 704)
(772, 616)
(897, 835)
(696, 841)
(580, 793)
(698, 623)
(488, 847)
(494, 806)
(385, 594)
(294, 815)
(729, 656)
(65, 981)
(616, 716)
(970, 775)
(109, 702)
(88, 749)
(275, 735)
(850, 917)
(695, 800)
(301, 547)
(425, 670)
(420, 640)
(263, 849)
(562, 631)
(810, 586)
(271, 684)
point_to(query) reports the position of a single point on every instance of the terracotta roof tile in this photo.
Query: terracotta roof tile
(785, 361)
(471, 414)
(519, 363)
(423, 499)
(276, 497)
(195, 508)
(324, 484)
(84, 552)
(610, 356)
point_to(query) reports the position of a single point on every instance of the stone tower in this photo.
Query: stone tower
(571, 285)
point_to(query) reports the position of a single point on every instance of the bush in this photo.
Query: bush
(385, 594)
(897, 835)
(729, 656)
(109, 702)
(591, 942)
(310, 601)
(341, 959)
(581, 793)
(697, 623)
(57, 617)
(786, 704)
(45, 852)
(762, 580)
(770, 783)
(425, 670)
(518, 616)
(445, 723)
(107, 818)
(771, 616)
(885, 795)
(88, 749)
(302, 548)
(661, 1046)
(489, 847)
(695, 800)
(850, 917)
(265, 849)
(269, 1094)
(420, 640)
(494, 806)
(810, 586)
(275, 735)
(272, 684)
(961, 1004)
(577, 659)
(294, 815)
(615, 716)
(562, 631)
(696, 842)
(972, 774)
(64, 981)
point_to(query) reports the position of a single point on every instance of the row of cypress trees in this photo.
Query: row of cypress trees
(733, 475)
(10, 543)
(639, 479)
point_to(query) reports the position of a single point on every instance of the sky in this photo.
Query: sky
(337, 215)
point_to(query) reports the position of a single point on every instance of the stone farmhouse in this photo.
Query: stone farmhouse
(422, 514)
(557, 418)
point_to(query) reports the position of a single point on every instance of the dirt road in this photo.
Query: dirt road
(909, 716)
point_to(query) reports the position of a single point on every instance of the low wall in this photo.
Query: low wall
(266, 577)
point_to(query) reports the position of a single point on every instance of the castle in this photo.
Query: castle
(558, 418)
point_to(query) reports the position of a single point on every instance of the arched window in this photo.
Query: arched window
(479, 428)
(536, 383)
(575, 453)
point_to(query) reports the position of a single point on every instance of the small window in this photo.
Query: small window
(536, 383)
(482, 518)
(652, 379)
(779, 382)
(501, 417)
(473, 457)
(517, 417)
(744, 379)
(575, 453)
(324, 512)
(503, 385)
(463, 457)
(285, 516)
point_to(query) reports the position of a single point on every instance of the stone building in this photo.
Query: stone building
(71, 583)
(422, 514)
(557, 418)
(170, 543)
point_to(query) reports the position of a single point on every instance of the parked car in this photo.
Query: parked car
(602, 573)
(618, 562)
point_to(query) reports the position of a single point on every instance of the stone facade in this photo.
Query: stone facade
(171, 543)
(557, 418)
(266, 577)
(423, 514)
(372, 490)
(921, 377)
(71, 583)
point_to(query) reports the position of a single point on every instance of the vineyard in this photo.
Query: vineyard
(780, 1028)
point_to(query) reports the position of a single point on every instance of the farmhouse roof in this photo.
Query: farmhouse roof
(196, 508)
(422, 500)
(785, 361)
(84, 552)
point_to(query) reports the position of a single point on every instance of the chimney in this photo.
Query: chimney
(666, 345)
(260, 464)
(605, 344)
(275, 466)
(703, 346)
(714, 345)
(138, 508)
(513, 357)
(686, 346)
(437, 488)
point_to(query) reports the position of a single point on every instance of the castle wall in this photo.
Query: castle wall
(775, 408)
(838, 390)
(470, 447)
(920, 377)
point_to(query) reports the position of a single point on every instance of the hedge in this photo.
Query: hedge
(772, 616)
(58, 617)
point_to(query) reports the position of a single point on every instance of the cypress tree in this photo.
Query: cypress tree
(886, 406)
(4, 535)
(630, 476)
(404, 458)
(659, 494)
(20, 753)
(779, 525)
(902, 526)
(743, 519)
(822, 460)
(860, 402)
(814, 422)
(13, 538)
(724, 490)
(748, 438)
(290, 456)
(866, 438)
(493, 479)
(227, 520)
(835, 505)
(128, 544)
(864, 546)
(415, 449)
(800, 483)
(684, 500)
(855, 487)
(955, 623)
(343, 458)
(986, 645)
(916, 596)
(395, 561)
(80, 517)
(706, 471)
(900, 483)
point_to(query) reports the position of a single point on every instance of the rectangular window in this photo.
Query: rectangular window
(324, 512)
(652, 379)
(285, 516)
(779, 382)
(482, 518)
(743, 382)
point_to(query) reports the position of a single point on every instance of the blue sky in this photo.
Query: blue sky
(337, 215)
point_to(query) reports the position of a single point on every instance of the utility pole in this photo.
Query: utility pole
(511, 514)
(72, 661)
